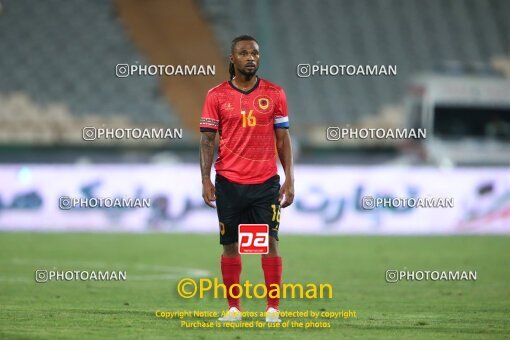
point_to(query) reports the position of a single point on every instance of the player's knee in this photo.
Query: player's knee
(230, 250)
(273, 248)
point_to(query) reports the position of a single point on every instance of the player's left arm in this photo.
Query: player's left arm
(284, 148)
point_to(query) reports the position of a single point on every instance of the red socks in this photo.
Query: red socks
(272, 267)
(231, 271)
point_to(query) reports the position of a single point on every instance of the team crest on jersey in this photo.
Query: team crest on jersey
(263, 104)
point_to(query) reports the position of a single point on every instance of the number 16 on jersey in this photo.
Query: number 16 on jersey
(250, 119)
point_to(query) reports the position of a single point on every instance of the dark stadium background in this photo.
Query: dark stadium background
(57, 76)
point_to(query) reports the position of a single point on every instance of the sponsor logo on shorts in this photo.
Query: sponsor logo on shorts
(253, 239)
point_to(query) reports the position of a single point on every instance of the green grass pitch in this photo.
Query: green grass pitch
(354, 266)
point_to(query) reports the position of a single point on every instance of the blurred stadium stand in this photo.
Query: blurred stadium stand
(57, 73)
(175, 33)
(58, 58)
(415, 35)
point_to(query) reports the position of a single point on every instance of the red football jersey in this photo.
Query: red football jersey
(246, 121)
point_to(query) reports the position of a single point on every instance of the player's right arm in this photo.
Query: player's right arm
(206, 159)
(209, 123)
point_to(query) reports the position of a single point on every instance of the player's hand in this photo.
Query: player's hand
(208, 192)
(287, 191)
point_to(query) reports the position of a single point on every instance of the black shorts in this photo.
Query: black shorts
(247, 203)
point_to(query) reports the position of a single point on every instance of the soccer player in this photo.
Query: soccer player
(251, 117)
